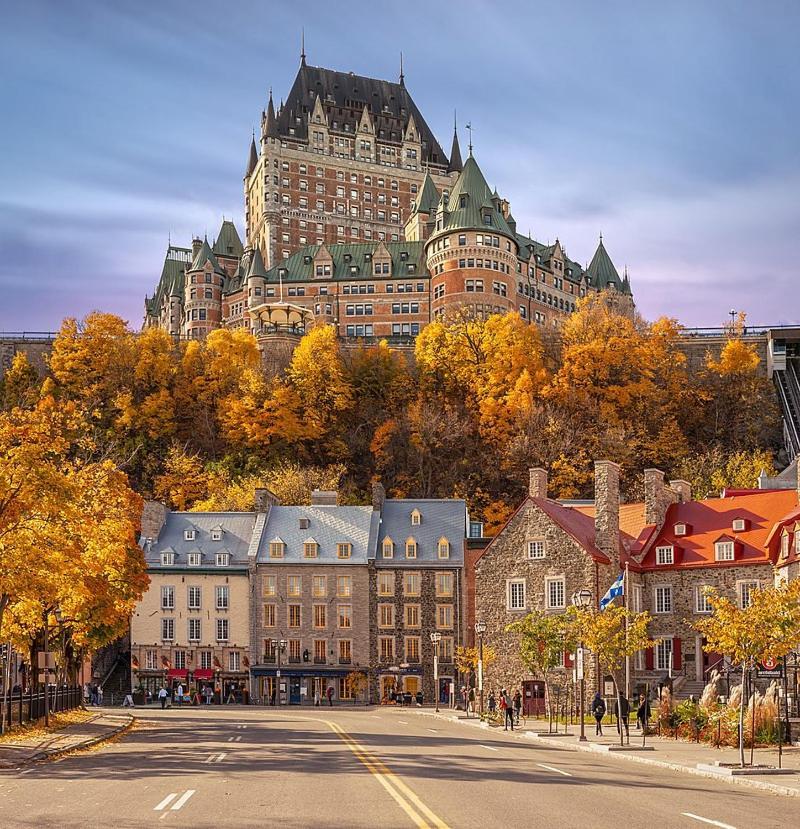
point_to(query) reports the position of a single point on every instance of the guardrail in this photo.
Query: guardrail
(22, 708)
(29, 336)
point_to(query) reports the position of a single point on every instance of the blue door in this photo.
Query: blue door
(294, 690)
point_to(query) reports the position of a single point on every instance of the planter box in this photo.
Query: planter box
(727, 770)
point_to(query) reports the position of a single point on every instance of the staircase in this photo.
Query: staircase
(691, 687)
(787, 384)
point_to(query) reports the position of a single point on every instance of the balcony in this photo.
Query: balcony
(294, 660)
(320, 660)
(345, 660)
(269, 659)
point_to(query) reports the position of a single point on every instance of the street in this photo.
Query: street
(356, 767)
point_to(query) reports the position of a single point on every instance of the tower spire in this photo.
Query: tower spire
(468, 127)
(455, 164)
(402, 76)
(302, 46)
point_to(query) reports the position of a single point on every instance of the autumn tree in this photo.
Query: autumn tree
(715, 469)
(183, 481)
(468, 659)
(20, 384)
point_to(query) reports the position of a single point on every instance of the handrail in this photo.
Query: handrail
(789, 412)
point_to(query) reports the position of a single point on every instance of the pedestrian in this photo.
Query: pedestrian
(99, 694)
(162, 696)
(643, 713)
(128, 701)
(508, 707)
(598, 710)
(316, 698)
(622, 710)
(517, 704)
(179, 694)
(330, 696)
(492, 702)
(471, 707)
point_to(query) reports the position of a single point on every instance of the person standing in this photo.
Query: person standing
(99, 694)
(162, 696)
(622, 709)
(179, 694)
(492, 702)
(508, 706)
(643, 713)
(517, 704)
(330, 696)
(598, 710)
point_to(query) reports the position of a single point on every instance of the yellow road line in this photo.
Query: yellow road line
(392, 783)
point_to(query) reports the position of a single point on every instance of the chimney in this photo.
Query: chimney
(537, 483)
(606, 505)
(683, 490)
(196, 245)
(324, 498)
(264, 499)
(154, 514)
(378, 496)
(656, 497)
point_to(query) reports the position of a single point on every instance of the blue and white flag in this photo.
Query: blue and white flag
(616, 589)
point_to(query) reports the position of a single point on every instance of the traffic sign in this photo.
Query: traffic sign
(769, 669)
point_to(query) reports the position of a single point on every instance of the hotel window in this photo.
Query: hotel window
(411, 584)
(344, 586)
(411, 548)
(167, 629)
(193, 598)
(345, 616)
(345, 651)
(665, 555)
(276, 548)
(443, 548)
(386, 584)
(167, 597)
(194, 559)
(293, 613)
(555, 590)
(269, 585)
(310, 549)
(234, 661)
(746, 589)
(515, 599)
(536, 548)
(388, 548)
(320, 616)
(222, 596)
(412, 648)
(663, 599)
(724, 550)
(222, 630)
(343, 550)
(702, 603)
(294, 650)
(386, 615)
(319, 586)
(412, 616)
(444, 584)
(444, 616)
(294, 585)
(320, 651)
(150, 660)
(270, 615)
(194, 630)
(386, 644)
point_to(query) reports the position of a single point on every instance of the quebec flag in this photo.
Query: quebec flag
(616, 589)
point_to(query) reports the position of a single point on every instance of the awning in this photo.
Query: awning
(203, 673)
(177, 673)
(292, 671)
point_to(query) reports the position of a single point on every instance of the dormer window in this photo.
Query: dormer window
(723, 550)
(222, 559)
(443, 548)
(416, 518)
(785, 544)
(276, 548)
(388, 548)
(194, 559)
(310, 548)
(462, 201)
(216, 534)
(303, 523)
(665, 554)
(190, 534)
(739, 525)
(167, 559)
(411, 548)
(344, 550)
(680, 529)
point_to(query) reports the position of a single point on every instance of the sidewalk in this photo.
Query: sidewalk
(99, 727)
(672, 754)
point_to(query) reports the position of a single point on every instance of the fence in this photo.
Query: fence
(23, 708)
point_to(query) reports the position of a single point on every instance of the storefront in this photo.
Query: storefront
(301, 686)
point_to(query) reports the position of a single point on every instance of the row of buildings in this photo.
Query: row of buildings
(281, 604)
(355, 216)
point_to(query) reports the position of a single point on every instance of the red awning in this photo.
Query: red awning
(177, 673)
(203, 673)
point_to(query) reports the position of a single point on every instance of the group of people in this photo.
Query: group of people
(622, 711)
(93, 694)
(510, 707)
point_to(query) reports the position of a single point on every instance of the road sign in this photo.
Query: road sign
(769, 669)
(770, 664)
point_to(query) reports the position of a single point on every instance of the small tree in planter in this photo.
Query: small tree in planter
(356, 683)
(767, 628)
(466, 660)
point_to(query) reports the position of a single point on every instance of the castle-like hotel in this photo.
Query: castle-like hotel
(355, 216)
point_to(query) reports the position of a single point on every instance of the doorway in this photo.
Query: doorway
(294, 690)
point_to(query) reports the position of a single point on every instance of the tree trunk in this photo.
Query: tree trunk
(741, 716)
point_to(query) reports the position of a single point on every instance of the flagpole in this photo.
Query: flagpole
(625, 586)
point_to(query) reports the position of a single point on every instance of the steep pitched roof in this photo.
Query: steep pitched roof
(237, 533)
(428, 197)
(440, 518)
(205, 254)
(172, 279)
(456, 164)
(470, 199)
(253, 160)
(257, 267)
(271, 127)
(601, 270)
(228, 242)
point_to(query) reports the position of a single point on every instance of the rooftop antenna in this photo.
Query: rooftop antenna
(402, 76)
(302, 46)
(468, 127)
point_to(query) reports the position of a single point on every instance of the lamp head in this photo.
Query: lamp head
(582, 599)
(480, 628)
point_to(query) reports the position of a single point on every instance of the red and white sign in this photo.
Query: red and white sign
(770, 664)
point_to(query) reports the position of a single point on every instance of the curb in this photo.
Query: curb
(786, 791)
(88, 743)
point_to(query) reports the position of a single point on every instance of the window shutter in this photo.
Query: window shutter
(676, 654)
(648, 659)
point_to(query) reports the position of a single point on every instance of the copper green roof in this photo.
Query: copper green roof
(257, 267)
(205, 254)
(602, 272)
(428, 197)
(455, 165)
(172, 280)
(228, 242)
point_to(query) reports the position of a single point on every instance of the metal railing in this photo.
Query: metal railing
(22, 707)
(29, 336)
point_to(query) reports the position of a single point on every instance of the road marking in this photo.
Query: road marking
(181, 801)
(433, 730)
(491, 748)
(165, 802)
(708, 820)
(408, 801)
(237, 739)
(214, 758)
(553, 768)
(403, 722)
(230, 739)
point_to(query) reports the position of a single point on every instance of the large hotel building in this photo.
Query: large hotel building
(356, 216)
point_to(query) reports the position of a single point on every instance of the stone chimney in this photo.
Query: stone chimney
(154, 514)
(196, 245)
(657, 497)
(324, 498)
(378, 496)
(264, 499)
(537, 483)
(683, 490)
(606, 506)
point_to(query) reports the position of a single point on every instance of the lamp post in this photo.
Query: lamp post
(59, 614)
(436, 638)
(581, 600)
(278, 645)
(480, 629)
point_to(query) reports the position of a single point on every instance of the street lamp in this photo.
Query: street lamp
(436, 638)
(480, 629)
(581, 600)
(278, 645)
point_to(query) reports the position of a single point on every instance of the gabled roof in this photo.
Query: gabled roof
(257, 267)
(441, 518)
(172, 280)
(205, 254)
(228, 242)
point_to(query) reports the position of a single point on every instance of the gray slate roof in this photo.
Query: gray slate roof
(440, 518)
(328, 526)
(237, 531)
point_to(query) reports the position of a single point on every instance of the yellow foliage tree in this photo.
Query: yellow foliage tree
(183, 481)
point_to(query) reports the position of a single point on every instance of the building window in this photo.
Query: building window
(746, 589)
(320, 616)
(167, 629)
(180, 660)
(344, 586)
(515, 599)
(446, 647)
(345, 616)
(189, 535)
(388, 548)
(151, 660)
(411, 584)
(194, 630)
(310, 549)
(444, 616)
(193, 598)
(444, 584)
(294, 650)
(416, 518)
(216, 534)
(222, 596)
(319, 586)
(724, 550)
(663, 599)
(664, 654)
(269, 585)
(167, 559)
(386, 584)
(386, 645)
(222, 630)
(194, 559)
(222, 559)
(293, 613)
(443, 548)
(702, 603)
(411, 548)
(536, 548)
(785, 545)
(412, 616)
(345, 651)
(234, 661)
(276, 548)
(343, 550)
(320, 651)
(294, 586)
(270, 615)
(412, 648)
(555, 591)
(167, 597)
(665, 555)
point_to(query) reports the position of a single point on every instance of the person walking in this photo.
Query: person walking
(179, 694)
(598, 710)
(508, 707)
(517, 704)
(492, 702)
(471, 708)
(622, 710)
(99, 694)
(330, 696)
(643, 713)
(162, 696)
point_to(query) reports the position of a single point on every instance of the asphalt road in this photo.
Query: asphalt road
(346, 767)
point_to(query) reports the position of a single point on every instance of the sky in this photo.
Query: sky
(670, 128)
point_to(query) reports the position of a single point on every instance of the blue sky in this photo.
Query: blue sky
(672, 128)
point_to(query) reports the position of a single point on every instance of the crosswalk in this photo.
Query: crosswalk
(183, 799)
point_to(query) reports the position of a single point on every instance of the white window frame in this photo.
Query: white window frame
(193, 629)
(665, 554)
(750, 585)
(189, 535)
(387, 548)
(234, 661)
(168, 630)
(660, 650)
(216, 534)
(721, 550)
(512, 606)
(656, 589)
(222, 629)
(194, 559)
(537, 549)
(549, 582)
(222, 597)
(701, 604)
(680, 528)
(167, 597)
(190, 591)
(167, 559)
(222, 559)
(739, 525)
